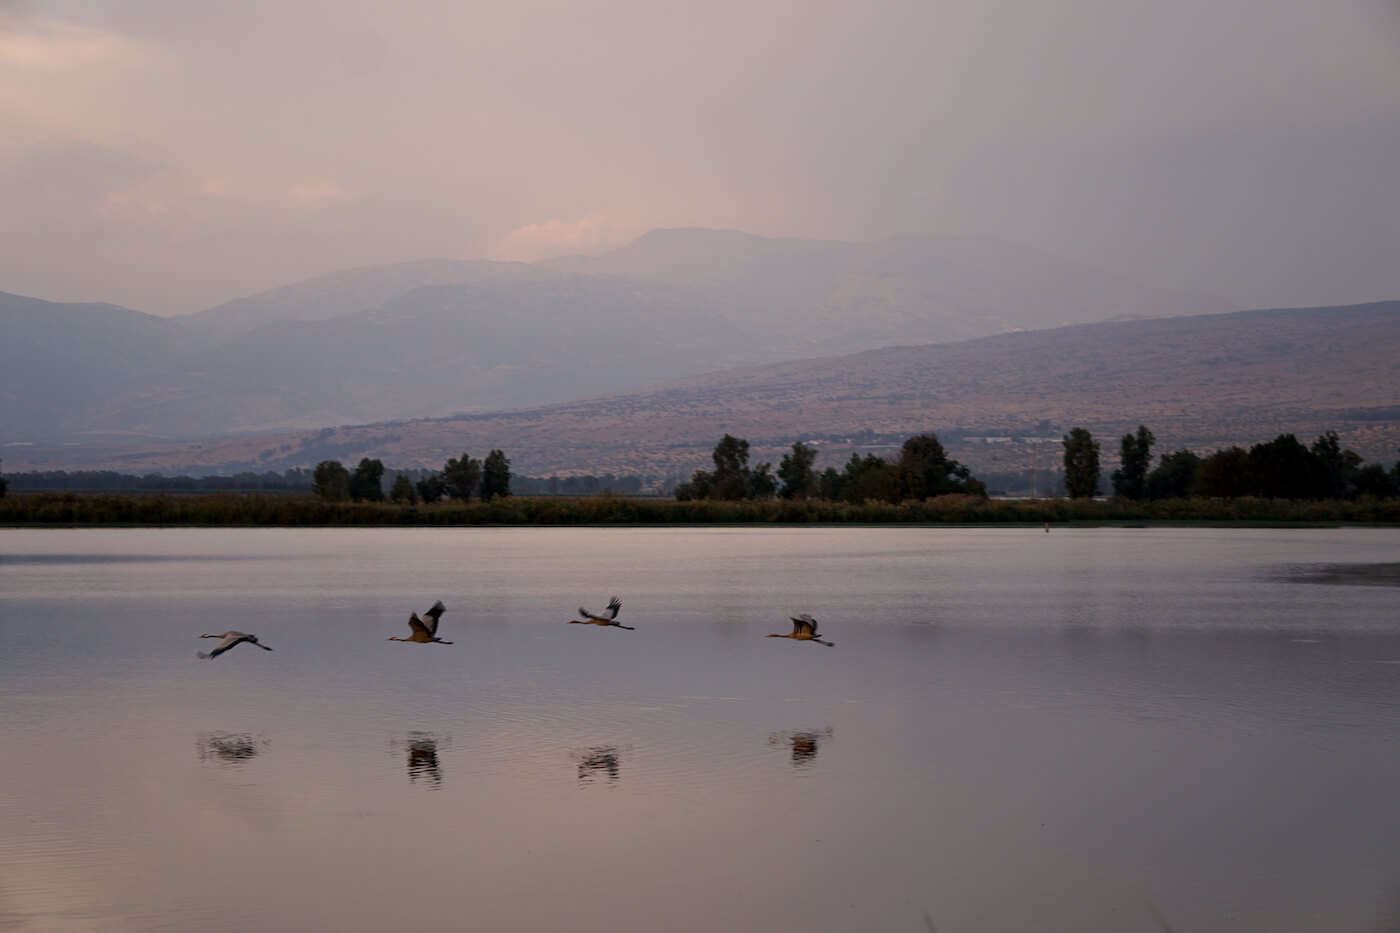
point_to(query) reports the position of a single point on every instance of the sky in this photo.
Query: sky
(170, 156)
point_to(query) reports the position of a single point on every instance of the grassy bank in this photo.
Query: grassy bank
(254, 509)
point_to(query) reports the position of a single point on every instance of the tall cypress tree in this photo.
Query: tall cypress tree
(1081, 464)
(495, 475)
(1130, 481)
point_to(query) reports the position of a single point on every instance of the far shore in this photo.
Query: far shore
(69, 509)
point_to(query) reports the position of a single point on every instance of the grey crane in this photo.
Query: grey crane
(609, 616)
(230, 639)
(425, 629)
(804, 628)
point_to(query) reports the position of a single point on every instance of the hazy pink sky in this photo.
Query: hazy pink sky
(171, 156)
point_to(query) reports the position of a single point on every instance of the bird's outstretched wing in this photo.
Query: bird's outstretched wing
(803, 623)
(229, 641)
(417, 625)
(433, 615)
(614, 605)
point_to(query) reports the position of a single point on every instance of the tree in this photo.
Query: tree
(1081, 464)
(1339, 467)
(402, 491)
(869, 477)
(331, 481)
(795, 472)
(732, 477)
(1174, 477)
(461, 477)
(1135, 453)
(1284, 469)
(1223, 475)
(365, 481)
(731, 457)
(761, 484)
(924, 470)
(1372, 480)
(495, 475)
(431, 487)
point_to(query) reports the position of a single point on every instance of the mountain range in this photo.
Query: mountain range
(1002, 402)
(433, 338)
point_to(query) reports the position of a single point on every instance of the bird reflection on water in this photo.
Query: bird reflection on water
(804, 744)
(230, 748)
(423, 765)
(602, 760)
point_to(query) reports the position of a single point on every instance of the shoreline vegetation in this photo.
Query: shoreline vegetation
(72, 509)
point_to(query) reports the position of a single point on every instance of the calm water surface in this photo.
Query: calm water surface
(1087, 730)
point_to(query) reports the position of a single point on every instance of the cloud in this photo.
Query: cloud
(589, 236)
(321, 189)
(64, 47)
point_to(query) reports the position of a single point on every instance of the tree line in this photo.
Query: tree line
(299, 480)
(293, 480)
(922, 470)
(1283, 468)
(460, 478)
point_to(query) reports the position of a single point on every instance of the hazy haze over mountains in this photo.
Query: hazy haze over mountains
(426, 339)
(1204, 382)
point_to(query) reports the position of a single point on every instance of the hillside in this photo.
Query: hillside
(1203, 382)
(432, 338)
(818, 297)
(57, 359)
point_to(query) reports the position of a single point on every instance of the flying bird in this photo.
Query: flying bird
(425, 629)
(230, 639)
(804, 628)
(609, 616)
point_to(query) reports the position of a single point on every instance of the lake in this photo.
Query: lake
(1097, 729)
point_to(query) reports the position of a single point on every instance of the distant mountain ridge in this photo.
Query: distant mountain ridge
(1202, 382)
(429, 338)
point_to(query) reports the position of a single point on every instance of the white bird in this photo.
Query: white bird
(230, 639)
(425, 632)
(804, 628)
(609, 616)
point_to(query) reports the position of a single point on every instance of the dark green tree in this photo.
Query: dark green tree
(1338, 467)
(869, 477)
(761, 483)
(495, 475)
(1135, 454)
(1284, 469)
(331, 481)
(1372, 480)
(1174, 476)
(431, 487)
(731, 457)
(1223, 475)
(829, 484)
(365, 481)
(1081, 464)
(402, 491)
(699, 486)
(924, 470)
(732, 477)
(460, 478)
(795, 472)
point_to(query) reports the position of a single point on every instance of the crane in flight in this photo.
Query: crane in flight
(425, 629)
(804, 628)
(230, 639)
(608, 617)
